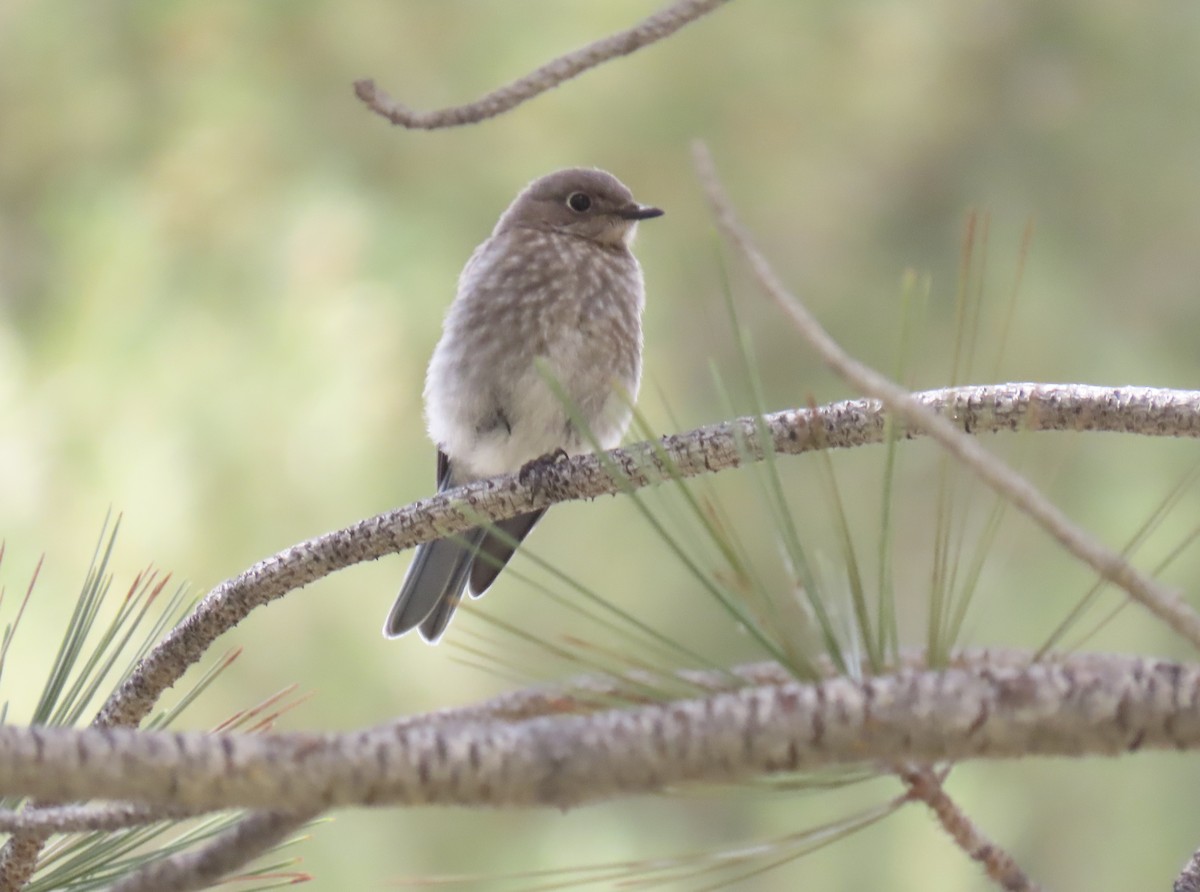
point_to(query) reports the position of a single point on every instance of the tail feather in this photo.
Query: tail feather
(435, 624)
(494, 551)
(433, 586)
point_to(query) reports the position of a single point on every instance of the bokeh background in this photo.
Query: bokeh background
(221, 278)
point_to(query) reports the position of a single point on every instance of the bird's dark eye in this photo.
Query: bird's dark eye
(579, 202)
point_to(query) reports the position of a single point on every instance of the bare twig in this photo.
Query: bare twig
(661, 25)
(1158, 599)
(200, 868)
(1089, 706)
(926, 786)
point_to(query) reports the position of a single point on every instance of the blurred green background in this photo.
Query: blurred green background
(221, 278)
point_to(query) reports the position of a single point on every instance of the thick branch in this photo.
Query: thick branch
(586, 693)
(1086, 706)
(657, 27)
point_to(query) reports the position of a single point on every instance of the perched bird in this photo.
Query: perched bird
(554, 292)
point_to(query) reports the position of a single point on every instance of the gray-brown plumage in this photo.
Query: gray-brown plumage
(556, 283)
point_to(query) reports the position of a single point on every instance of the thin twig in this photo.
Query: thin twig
(925, 786)
(1158, 599)
(661, 25)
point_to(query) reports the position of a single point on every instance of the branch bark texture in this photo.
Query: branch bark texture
(1077, 707)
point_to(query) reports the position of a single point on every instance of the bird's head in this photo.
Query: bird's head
(583, 202)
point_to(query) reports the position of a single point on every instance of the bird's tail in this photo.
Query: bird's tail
(489, 553)
(433, 586)
(495, 551)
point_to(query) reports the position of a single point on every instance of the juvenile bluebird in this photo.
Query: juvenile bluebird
(555, 291)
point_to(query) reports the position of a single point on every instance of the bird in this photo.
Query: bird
(556, 293)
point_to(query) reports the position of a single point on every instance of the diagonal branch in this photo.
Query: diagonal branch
(221, 855)
(925, 786)
(657, 27)
(1163, 602)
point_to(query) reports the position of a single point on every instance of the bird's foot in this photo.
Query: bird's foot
(533, 473)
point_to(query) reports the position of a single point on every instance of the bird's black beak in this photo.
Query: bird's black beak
(636, 211)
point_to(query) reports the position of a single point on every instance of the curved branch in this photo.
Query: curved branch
(1080, 706)
(661, 25)
(984, 409)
